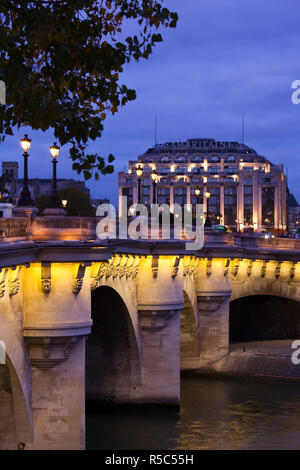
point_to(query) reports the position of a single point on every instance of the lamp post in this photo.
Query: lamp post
(154, 177)
(139, 173)
(207, 220)
(55, 201)
(25, 199)
(197, 192)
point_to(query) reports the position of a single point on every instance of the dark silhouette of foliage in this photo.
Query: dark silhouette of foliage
(78, 205)
(61, 62)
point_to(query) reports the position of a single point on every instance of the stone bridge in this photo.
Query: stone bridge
(117, 321)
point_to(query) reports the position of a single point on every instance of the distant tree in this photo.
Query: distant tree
(42, 202)
(61, 62)
(78, 205)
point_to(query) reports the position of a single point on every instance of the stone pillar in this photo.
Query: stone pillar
(160, 301)
(56, 320)
(259, 208)
(255, 201)
(276, 208)
(284, 204)
(171, 196)
(240, 203)
(188, 194)
(204, 200)
(213, 294)
(222, 205)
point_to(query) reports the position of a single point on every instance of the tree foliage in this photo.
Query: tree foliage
(78, 202)
(61, 62)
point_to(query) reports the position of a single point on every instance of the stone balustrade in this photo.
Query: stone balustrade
(269, 243)
(84, 228)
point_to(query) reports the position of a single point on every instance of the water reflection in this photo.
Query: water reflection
(215, 414)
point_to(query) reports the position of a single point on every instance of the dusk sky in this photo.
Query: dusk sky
(224, 58)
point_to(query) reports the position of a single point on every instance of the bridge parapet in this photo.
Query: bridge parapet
(14, 228)
(270, 243)
(60, 228)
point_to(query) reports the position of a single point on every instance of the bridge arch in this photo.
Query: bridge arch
(15, 410)
(113, 366)
(264, 317)
(260, 286)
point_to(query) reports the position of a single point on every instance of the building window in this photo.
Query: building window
(230, 206)
(214, 205)
(164, 159)
(214, 169)
(197, 170)
(231, 158)
(197, 159)
(248, 203)
(180, 159)
(248, 181)
(248, 190)
(248, 200)
(268, 207)
(163, 195)
(146, 191)
(230, 169)
(181, 170)
(129, 193)
(214, 159)
(180, 196)
(163, 170)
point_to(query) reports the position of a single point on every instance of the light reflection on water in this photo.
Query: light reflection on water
(215, 414)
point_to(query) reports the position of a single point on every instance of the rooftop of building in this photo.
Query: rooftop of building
(200, 145)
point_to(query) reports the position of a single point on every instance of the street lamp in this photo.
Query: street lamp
(207, 220)
(25, 199)
(197, 192)
(154, 177)
(55, 202)
(64, 203)
(139, 173)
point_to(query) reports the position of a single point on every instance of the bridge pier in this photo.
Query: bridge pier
(160, 301)
(58, 402)
(160, 338)
(213, 295)
(56, 320)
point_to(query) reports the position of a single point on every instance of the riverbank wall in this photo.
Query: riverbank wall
(261, 359)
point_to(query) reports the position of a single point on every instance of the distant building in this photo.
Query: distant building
(247, 191)
(293, 212)
(37, 186)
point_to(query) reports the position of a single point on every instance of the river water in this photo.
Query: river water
(216, 413)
